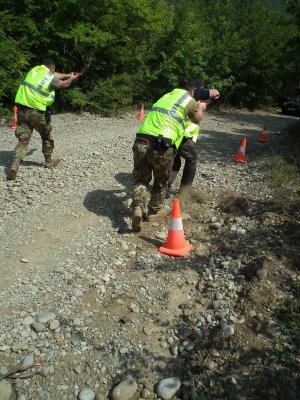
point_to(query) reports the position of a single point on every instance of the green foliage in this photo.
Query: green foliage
(245, 48)
(109, 96)
(76, 98)
(12, 60)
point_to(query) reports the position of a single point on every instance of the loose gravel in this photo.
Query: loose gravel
(90, 310)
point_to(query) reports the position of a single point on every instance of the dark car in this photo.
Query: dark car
(292, 106)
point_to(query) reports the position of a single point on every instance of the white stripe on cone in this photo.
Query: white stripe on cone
(176, 224)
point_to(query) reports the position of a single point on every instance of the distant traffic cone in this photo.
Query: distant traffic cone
(240, 155)
(176, 244)
(14, 123)
(263, 135)
(141, 114)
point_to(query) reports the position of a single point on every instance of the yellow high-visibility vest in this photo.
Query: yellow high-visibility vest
(167, 117)
(34, 90)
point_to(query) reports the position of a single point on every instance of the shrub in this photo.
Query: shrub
(76, 98)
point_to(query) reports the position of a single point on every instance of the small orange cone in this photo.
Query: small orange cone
(141, 114)
(240, 155)
(176, 244)
(263, 135)
(14, 123)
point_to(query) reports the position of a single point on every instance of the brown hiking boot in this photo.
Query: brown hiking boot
(12, 174)
(137, 219)
(52, 163)
(152, 216)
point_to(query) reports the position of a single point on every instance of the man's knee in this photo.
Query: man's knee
(24, 139)
(23, 132)
(191, 158)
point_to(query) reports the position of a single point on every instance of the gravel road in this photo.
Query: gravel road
(90, 310)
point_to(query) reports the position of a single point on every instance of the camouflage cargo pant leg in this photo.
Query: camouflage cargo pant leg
(162, 161)
(23, 133)
(27, 121)
(142, 174)
(38, 122)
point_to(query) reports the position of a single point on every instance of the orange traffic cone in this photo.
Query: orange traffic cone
(240, 155)
(141, 114)
(176, 244)
(14, 123)
(263, 135)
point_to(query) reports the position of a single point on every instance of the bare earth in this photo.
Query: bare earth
(118, 306)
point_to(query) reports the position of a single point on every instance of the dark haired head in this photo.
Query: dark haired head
(200, 93)
(48, 62)
(198, 83)
(187, 84)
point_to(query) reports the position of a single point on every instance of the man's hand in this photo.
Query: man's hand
(214, 94)
(77, 74)
(202, 104)
(73, 76)
(67, 82)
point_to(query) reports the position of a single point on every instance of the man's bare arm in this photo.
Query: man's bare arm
(59, 75)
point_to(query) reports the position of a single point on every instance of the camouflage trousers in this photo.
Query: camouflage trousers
(29, 119)
(147, 161)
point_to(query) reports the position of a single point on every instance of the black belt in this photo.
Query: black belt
(25, 108)
(185, 139)
(143, 137)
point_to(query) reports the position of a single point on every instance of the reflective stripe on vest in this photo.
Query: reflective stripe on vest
(172, 113)
(167, 117)
(39, 88)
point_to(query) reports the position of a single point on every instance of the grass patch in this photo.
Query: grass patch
(285, 181)
(291, 315)
(291, 143)
(235, 204)
(288, 358)
(284, 170)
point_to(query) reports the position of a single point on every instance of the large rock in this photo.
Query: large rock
(125, 389)
(6, 391)
(167, 388)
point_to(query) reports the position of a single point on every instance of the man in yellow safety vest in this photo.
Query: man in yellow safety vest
(156, 141)
(35, 94)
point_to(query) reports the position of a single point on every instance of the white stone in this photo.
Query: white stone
(167, 388)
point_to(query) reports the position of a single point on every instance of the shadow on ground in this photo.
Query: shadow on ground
(6, 158)
(113, 204)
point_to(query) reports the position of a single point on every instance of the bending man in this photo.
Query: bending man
(153, 151)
